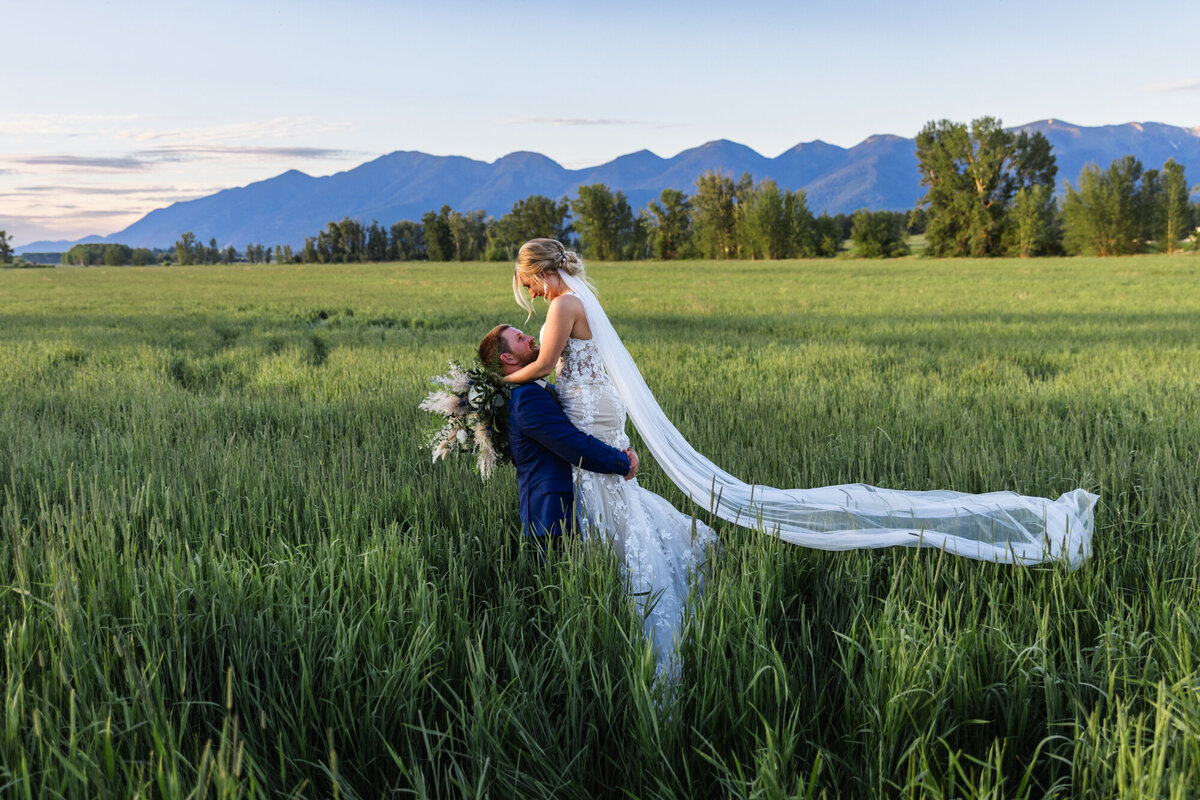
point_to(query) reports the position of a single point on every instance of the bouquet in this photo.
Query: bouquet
(473, 405)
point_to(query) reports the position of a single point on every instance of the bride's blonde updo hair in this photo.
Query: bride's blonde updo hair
(538, 257)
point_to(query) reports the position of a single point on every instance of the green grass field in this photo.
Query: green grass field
(230, 570)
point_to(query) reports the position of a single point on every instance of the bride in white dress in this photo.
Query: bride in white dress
(661, 548)
(599, 383)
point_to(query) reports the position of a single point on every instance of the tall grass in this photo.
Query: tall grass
(229, 569)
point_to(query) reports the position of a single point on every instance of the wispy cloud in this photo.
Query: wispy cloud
(60, 218)
(566, 122)
(1187, 85)
(120, 191)
(187, 152)
(84, 162)
(96, 213)
(106, 190)
(146, 159)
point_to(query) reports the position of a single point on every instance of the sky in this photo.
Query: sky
(111, 109)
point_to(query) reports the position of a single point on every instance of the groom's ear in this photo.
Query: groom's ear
(508, 359)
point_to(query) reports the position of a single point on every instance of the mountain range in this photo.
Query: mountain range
(878, 173)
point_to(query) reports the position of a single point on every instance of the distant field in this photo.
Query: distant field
(229, 569)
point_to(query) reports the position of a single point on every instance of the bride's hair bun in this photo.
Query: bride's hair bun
(570, 262)
(545, 255)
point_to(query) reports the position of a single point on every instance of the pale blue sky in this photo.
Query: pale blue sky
(110, 110)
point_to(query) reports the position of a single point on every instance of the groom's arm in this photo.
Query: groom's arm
(542, 420)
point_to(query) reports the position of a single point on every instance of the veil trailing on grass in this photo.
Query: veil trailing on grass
(998, 526)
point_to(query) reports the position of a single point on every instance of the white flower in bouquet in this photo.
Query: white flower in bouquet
(488, 457)
(457, 380)
(483, 439)
(443, 403)
(442, 443)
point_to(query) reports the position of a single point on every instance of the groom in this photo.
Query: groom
(544, 444)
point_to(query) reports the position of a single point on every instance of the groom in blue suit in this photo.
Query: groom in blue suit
(544, 444)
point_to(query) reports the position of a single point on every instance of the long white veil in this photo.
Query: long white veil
(998, 526)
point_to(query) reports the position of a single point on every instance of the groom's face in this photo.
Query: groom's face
(522, 348)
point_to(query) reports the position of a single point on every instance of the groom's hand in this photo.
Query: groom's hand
(633, 463)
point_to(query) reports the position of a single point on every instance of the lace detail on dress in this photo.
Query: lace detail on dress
(580, 361)
(661, 547)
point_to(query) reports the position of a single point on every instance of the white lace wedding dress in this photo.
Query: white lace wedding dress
(662, 549)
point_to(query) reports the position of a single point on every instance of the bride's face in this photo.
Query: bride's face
(543, 285)
(532, 286)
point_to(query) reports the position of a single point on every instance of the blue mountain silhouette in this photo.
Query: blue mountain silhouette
(878, 173)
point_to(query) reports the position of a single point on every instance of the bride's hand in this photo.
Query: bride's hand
(633, 463)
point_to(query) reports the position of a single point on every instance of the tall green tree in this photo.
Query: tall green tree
(354, 241)
(377, 242)
(1033, 222)
(803, 228)
(469, 234)
(773, 223)
(1102, 214)
(439, 241)
(6, 250)
(971, 175)
(670, 224)
(639, 246)
(1151, 208)
(763, 229)
(715, 213)
(187, 250)
(1177, 217)
(604, 221)
(331, 244)
(406, 241)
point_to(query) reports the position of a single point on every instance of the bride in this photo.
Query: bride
(661, 548)
(598, 383)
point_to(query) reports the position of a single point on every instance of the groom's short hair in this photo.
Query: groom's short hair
(493, 346)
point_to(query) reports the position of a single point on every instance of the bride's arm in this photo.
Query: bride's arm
(560, 319)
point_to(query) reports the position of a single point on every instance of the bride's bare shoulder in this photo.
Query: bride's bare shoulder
(567, 303)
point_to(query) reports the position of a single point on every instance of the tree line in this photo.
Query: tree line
(723, 219)
(990, 192)
(111, 255)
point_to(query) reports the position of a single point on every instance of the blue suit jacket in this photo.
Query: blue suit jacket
(544, 446)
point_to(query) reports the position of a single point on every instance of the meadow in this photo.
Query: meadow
(229, 569)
